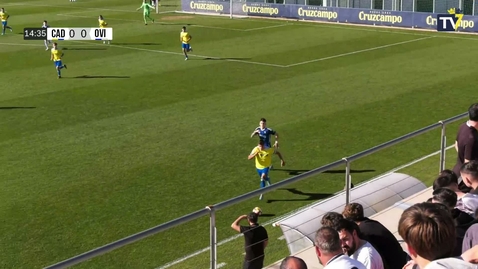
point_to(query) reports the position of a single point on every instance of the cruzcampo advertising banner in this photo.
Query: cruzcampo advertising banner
(330, 14)
(214, 7)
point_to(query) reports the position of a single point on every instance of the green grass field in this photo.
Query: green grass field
(134, 136)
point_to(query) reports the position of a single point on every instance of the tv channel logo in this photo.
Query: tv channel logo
(449, 22)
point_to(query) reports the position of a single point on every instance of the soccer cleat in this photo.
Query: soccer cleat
(186, 59)
(59, 77)
(64, 66)
(47, 49)
(11, 29)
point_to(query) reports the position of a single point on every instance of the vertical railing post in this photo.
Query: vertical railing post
(442, 146)
(348, 182)
(213, 238)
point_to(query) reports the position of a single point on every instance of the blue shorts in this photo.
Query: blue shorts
(185, 46)
(263, 171)
(4, 23)
(58, 64)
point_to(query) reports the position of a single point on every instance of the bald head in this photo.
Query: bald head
(292, 262)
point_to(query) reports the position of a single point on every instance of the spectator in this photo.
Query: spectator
(331, 219)
(461, 219)
(471, 238)
(356, 248)
(469, 174)
(329, 251)
(429, 232)
(255, 240)
(466, 143)
(381, 238)
(292, 262)
(466, 202)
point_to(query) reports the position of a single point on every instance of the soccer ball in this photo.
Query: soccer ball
(257, 210)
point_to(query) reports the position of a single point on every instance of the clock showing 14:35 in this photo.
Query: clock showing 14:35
(34, 33)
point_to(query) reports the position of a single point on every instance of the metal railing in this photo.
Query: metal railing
(211, 209)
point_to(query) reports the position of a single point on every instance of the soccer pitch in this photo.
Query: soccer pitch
(134, 136)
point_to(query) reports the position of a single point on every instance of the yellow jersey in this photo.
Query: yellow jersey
(185, 37)
(263, 157)
(3, 16)
(56, 54)
(102, 23)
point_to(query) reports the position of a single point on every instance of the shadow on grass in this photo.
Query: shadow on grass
(225, 59)
(352, 171)
(86, 76)
(16, 107)
(295, 172)
(132, 44)
(84, 48)
(309, 196)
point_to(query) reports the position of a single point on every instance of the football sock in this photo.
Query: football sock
(263, 183)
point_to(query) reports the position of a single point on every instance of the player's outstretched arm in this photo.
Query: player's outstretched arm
(282, 162)
(256, 132)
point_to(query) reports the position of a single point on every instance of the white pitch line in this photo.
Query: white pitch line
(358, 51)
(69, 6)
(36, 45)
(159, 22)
(267, 27)
(194, 55)
(220, 265)
(232, 238)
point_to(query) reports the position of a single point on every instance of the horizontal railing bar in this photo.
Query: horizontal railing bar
(404, 137)
(278, 185)
(128, 240)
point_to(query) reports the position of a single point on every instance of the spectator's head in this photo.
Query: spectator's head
(331, 219)
(473, 112)
(469, 174)
(446, 197)
(476, 214)
(429, 231)
(292, 262)
(349, 234)
(327, 244)
(252, 218)
(354, 212)
(446, 179)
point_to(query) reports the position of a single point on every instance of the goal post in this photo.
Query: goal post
(156, 6)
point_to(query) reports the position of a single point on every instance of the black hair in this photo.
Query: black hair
(445, 196)
(470, 168)
(473, 112)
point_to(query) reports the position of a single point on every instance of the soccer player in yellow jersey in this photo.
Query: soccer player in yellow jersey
(4, 18)
(103, 24)
(185, 38)
(263, 158)
(56, 55)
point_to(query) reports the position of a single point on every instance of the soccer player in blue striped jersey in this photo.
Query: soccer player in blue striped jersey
(46, 42)
(265, 134)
